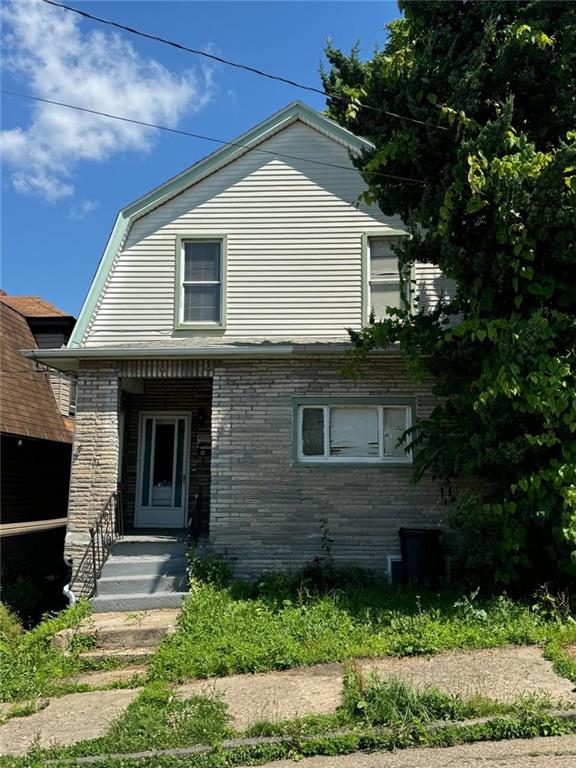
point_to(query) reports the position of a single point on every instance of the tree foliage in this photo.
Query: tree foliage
(494, 85)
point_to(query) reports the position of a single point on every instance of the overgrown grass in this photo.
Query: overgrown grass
(375, 714)
(30, 665)
(278, 624)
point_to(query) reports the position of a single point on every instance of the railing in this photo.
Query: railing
(108, 527)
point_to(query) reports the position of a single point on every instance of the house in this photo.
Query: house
(36, 444)
(209, 353)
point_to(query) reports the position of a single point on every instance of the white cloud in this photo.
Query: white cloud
(58, 57)
(81, 209)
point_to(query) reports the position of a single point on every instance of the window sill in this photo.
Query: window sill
(200, 327)
(348, 464)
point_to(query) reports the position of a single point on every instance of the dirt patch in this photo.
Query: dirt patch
(65, 721)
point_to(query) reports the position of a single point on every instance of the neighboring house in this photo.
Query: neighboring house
(209, 353)
(36, 439)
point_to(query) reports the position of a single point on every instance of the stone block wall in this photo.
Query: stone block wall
(266, 511)
(94, 473)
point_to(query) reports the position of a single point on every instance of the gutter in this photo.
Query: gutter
(69, 359)
(34, 526)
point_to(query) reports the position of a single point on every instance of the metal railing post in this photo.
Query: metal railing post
(93, 544)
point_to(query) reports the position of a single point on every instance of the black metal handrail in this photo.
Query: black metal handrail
(107, 528)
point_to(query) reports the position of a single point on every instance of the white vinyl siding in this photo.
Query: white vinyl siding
(294, 245)
(344, 433)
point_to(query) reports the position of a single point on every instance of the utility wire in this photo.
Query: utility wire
(237, 65)
(205, 138)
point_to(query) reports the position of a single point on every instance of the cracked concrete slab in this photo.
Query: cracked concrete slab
(65, 720)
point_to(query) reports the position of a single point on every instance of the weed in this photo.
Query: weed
(284, 621)
(30, 664)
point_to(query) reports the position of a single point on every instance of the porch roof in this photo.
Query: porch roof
(68, 359)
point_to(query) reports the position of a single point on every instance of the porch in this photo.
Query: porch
(164, 454)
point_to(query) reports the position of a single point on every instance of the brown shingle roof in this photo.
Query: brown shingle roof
(32, 306)
(27, 403)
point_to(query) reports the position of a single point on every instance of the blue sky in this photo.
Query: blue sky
(65, 175)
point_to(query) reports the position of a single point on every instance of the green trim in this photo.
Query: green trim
(294, 111)
(99, 280)
(181, 326)
(365, 268)
(299, 402)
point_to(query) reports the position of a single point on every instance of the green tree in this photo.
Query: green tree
(493, 85)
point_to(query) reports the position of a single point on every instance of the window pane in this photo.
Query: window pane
(395, 423)
(201, 261)
(312, 432)
(353, 432)
(383, 261)
(163, 470)
(146, 467)
(201, 304)
(384, 295)
(179, 462)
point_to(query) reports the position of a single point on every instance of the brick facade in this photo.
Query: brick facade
(94, 473)
(265, 510)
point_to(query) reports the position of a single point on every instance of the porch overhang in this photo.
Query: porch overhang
(69, 359)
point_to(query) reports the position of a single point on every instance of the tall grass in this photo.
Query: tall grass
(276, 625)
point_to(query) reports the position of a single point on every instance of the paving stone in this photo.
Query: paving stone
(499, 673)
(65, 720)
(274, 696)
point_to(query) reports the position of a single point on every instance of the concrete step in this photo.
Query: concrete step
(140, 629)
(142, 565)
(141, 584)
(135, 672)
(129, 602)
(123, 654)
(132, 545)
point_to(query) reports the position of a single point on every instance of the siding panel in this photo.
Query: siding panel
(294, 248)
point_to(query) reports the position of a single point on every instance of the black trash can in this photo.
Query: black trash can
(422, 556)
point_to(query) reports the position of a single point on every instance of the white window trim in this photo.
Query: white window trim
(208, 325)
(328, 459)
(391, 278)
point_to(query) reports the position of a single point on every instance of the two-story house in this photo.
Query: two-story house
(209, 353)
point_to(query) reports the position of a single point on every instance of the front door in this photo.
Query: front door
(162, 497)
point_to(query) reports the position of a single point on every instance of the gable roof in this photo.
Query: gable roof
(296, 111)
(27, 404)
(32, 306)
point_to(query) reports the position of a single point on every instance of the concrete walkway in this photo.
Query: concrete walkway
(549, 752)
(503, 674)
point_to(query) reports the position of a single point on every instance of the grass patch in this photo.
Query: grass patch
(30, 665)
(157, 719)
(279, 623)
(564, 665)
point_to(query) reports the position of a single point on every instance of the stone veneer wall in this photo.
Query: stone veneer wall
(265, 510)
(94, 472)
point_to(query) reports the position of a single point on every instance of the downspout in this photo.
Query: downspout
(67, 592)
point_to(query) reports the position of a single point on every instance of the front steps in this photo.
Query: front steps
(144, 572)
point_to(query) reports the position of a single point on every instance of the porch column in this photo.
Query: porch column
(94, 472)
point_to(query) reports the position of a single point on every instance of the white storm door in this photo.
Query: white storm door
(162, 493)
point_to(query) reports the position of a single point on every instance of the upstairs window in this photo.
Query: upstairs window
(362, 433)
(384, 283)
(201, 271)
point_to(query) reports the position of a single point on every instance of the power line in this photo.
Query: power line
(237, 65)
(205, 138)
